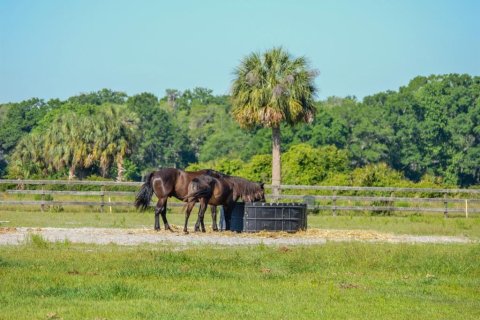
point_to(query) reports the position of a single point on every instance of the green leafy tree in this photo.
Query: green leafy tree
(103, 96)
(221, 144)
(18, 120)
(3, 164)
(172, 96)
(162, 142)
(332, 124)
(272, 88)
(224, 165)
(371, 136)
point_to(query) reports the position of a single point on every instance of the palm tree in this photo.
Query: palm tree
(272, 88)
(27, 158)
(117, 128)
(66, 144)
(56, 149)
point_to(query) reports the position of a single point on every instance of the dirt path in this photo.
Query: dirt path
(15, 236)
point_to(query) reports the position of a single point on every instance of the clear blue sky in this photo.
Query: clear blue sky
(59, 48)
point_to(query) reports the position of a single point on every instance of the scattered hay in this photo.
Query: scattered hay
(312, 233)
(7, 229)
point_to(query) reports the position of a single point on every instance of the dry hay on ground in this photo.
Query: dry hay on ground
(7, 229)
(310, 233)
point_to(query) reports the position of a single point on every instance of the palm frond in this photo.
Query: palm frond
(271, 88)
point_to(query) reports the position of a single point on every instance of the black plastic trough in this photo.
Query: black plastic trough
(289, 217)
(259, 216)
(236, 221)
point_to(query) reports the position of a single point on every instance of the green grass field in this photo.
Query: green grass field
(411, 224)
(41, 280)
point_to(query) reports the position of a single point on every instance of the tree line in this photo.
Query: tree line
(428, 131)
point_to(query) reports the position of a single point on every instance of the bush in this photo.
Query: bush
(304, 165)
(259, 168)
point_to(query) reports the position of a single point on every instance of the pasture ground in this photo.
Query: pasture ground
(44, 280)
(345, 280)
(433, 224)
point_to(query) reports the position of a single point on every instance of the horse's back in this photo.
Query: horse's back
(164, 181)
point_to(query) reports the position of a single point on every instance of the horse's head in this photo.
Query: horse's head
(257, 193)
(261, 192)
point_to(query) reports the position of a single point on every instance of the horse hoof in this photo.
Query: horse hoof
(157, 229)
(185, 231)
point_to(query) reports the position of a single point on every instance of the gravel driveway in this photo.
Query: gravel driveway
(15, 236)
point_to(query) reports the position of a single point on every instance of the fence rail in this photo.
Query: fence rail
(282, 187)
(77, 203)
(70, 182)
(372, 198)
(383, 189)
(386, 203)
(73, 193)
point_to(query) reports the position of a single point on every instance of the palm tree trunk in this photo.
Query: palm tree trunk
(276, 162)
(120, 169)
(71, 172)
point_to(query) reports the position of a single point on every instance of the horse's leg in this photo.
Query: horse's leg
(201, 214)
(163, 212)
(214, 218)
(161, 209)
(197, 223)
(190, 206)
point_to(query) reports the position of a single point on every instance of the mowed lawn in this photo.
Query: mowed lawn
(41, 280)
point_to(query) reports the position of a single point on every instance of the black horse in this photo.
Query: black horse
(165, 183)
(220, 190)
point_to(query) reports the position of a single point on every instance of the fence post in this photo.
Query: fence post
(276, 193)
(102, 197)
(466, 208)
(390, 203)
(42, 206)
(335, 203)
(445, 202)
(309, 201)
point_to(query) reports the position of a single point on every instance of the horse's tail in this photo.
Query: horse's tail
(142, 200)
(200, 193)
(198, 190)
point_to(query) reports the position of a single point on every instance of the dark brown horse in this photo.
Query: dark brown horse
(220, 190)
(165, 183)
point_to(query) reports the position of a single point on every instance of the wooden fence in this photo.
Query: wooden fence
(463, 201)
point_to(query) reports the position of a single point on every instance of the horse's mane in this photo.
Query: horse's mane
(244, 188)
(209, 172)
(215, 174)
